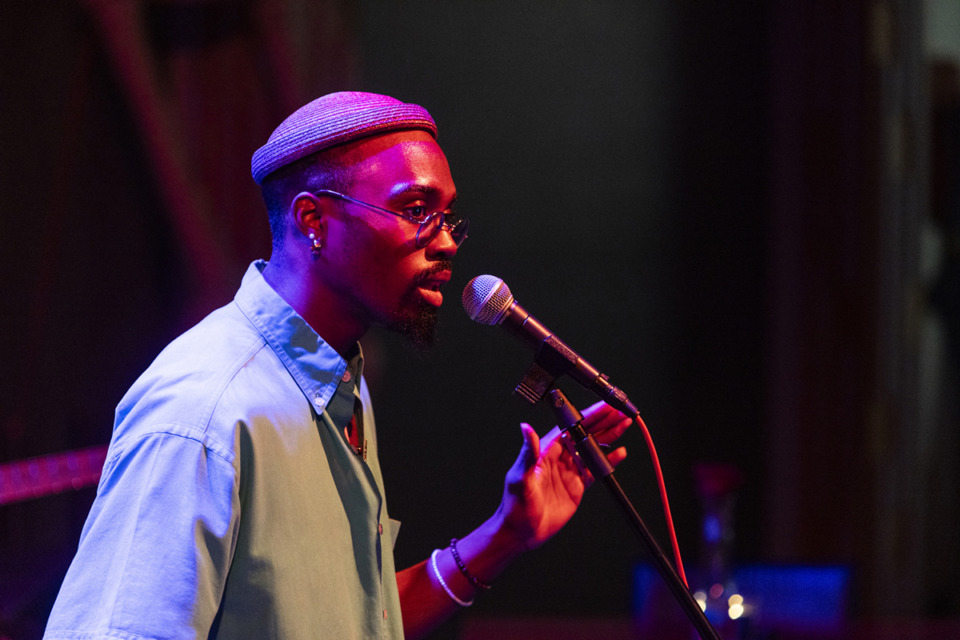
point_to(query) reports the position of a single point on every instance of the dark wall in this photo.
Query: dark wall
(93, 285)
(612, 159)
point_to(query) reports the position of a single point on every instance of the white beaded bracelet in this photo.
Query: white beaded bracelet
(436, 572)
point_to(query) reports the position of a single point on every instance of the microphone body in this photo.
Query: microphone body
(488, 300)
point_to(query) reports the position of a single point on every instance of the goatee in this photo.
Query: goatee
(418, 324)
(416, 320)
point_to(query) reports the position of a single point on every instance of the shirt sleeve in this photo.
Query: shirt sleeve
(156, 548)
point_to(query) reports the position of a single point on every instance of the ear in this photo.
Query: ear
(306, 214)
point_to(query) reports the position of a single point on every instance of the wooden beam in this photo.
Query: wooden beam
(121, 27)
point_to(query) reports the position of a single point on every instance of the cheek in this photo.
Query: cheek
(379, 260)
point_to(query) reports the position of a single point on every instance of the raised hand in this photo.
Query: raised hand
(545, 485)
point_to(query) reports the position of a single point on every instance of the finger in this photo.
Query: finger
(551, 438)
(617, 456)
(611, 434)
(601, 416)
(607, 426)
(596, 409)
(530, 451)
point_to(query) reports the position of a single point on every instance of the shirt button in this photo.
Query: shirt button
(384, 614)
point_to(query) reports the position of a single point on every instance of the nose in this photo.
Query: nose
(442, 244)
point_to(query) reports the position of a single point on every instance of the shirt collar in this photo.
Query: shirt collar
(315, 366)
(341, 405)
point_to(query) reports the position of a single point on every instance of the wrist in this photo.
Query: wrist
(514, 539)
(472, 579)
(443, 583)
(502, 540)
(484, 553)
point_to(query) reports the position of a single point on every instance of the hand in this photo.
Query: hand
(544, 487)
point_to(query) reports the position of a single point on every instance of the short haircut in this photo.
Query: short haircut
(323, 170)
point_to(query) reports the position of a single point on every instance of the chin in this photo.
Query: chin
(418, 324)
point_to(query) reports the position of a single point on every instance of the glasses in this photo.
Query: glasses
(428, 227)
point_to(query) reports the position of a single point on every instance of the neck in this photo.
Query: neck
(313, 301)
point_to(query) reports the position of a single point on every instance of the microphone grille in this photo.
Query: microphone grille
(486, 298)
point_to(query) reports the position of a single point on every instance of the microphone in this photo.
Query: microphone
(487, 300)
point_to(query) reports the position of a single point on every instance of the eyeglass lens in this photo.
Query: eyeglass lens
(430, 227)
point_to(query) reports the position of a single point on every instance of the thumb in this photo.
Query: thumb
(530, 451)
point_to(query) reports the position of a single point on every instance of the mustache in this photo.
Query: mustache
(438, 267)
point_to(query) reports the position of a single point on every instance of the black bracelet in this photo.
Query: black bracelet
(463, 569)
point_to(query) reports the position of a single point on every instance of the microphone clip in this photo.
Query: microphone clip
(535, 384)
(553, 359)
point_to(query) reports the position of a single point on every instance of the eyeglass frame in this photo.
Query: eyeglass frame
(422, 224)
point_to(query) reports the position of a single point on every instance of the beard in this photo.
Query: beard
(416, 320)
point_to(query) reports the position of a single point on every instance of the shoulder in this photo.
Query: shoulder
(180, 391)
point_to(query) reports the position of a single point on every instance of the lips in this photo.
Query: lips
(429, 286)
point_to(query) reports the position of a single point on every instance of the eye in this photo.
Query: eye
(416, 211)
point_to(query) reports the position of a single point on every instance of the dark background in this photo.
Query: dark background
(729, 208)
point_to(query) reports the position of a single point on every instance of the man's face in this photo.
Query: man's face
(382, 277)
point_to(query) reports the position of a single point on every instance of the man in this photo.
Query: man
(242, 494)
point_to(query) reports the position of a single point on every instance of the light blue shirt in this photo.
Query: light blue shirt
(231, 505)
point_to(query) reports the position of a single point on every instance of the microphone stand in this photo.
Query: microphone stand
(589, 452)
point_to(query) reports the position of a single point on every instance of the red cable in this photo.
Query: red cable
(663, 498)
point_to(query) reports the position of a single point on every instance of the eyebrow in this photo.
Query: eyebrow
(423, 190)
